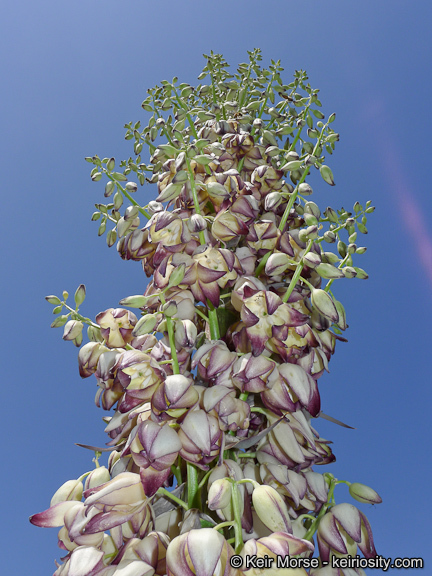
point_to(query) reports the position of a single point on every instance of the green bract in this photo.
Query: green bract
(214, 384)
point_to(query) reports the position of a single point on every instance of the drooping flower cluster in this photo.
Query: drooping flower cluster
(214, 387)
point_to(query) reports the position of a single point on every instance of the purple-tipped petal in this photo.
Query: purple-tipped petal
(349, 518)
(86, 561)
(54, 516)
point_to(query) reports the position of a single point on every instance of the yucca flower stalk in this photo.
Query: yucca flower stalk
(212, 383)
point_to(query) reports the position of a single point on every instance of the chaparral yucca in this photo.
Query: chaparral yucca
(213, 383)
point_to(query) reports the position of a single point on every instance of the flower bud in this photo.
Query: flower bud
(324, 304)
(137, 301)
(72, 329)
(327, 175)
(277, 264)
(94, 334)
(272, 201)
(145, 325)
(197, 223)
(329, 237)
(219, 494)
(154, 207)
(312, 259)
(123, 489)
(271, 509)
(60, 321)
(177, 276)
(342, 315)
(312, 208)
(304, 189)
(361, 273)
(349, 272)
(363, 493)
(169, 309)
(131, 212)
(70, 490)
(131, 186)
(202, 552)
(97, 477)
(80, 294)
(53, 300)
(310, 219)
(329, 271)
(109, 188)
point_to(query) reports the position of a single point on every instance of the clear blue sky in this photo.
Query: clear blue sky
(72, 74)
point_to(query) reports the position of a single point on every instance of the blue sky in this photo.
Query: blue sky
(73, 74)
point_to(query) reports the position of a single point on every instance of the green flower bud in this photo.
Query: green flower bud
(331, 214)
(111, 238)
(169, 309)
(363, 493)
(177, 276)
(310, 219)
(312, 259)
(145, 325)
(323, 303)
(327, 175)
(329, 237)
(111, 164)
(342, 315)
(361, 273)
(60, 321)
(53, 299)
(312, 208)
(293, 165)
(80, 294)
(349, 272)
(109, 188)
(342, 248)
(329, 272)
(94, 334)
(118, 200)
(134, 301)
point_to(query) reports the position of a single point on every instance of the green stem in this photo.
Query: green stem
(129, 197)
(188, 116)
(204, 480)
(194, 196)
(164, 492)
(170, 328)
(213, 322)
(201, 314)
(314, 527)
(235, 499)
(192, 486)
(212, 316)
(330, 282)
(290, 204)
(176, 471)
(296, 275)
(222, 525)
(80, 317)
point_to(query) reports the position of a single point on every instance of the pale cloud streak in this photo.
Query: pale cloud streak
(408, 204)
